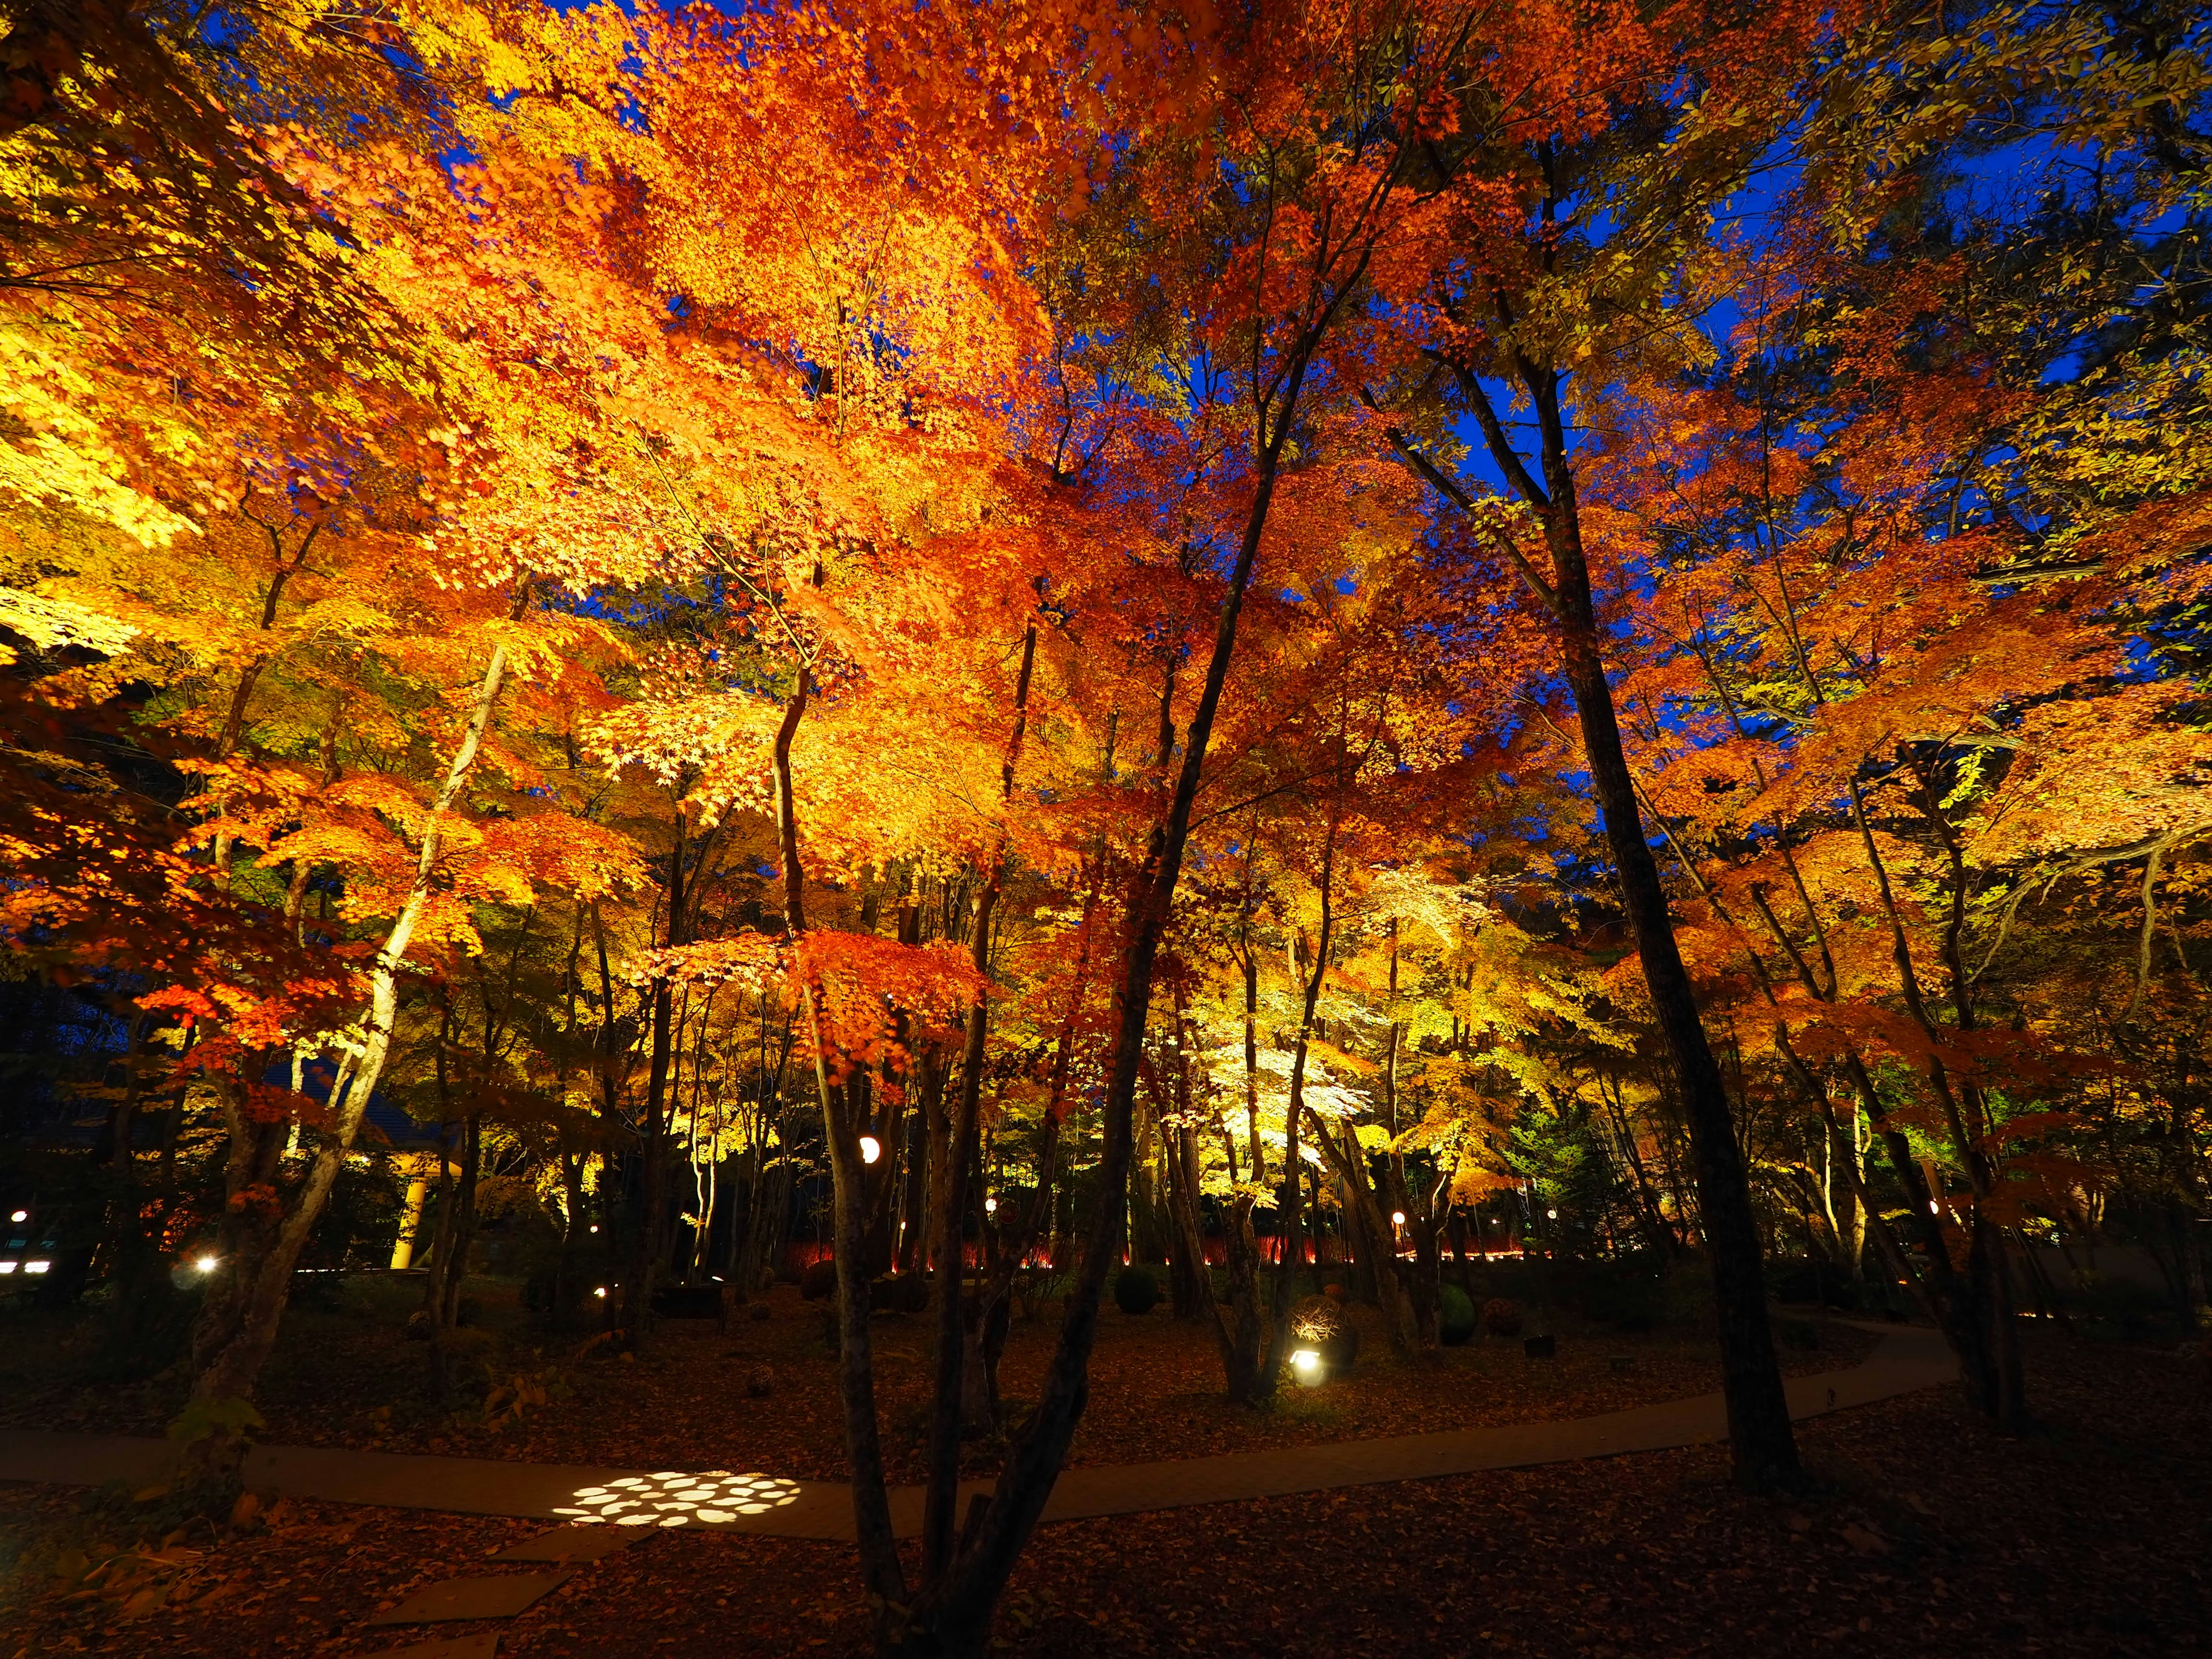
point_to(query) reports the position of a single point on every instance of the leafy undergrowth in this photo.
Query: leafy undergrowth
(1927, 1534)
(1155, 1390)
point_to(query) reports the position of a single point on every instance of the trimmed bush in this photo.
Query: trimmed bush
(1136, 1291)
(1501, 1317)
(1455, 1316)
(899, 1293)
(819, 1280)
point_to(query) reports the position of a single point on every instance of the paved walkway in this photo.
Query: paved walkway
(1905, 1359)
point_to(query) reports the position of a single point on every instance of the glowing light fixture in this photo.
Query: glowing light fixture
(595, 1226)
(1306, 1363)
(7, 1266)
(1397, 1217)
(871, 1149)
(208, 1264)
(21, 1215)
(599, 1290)
(1554, 1214)
(990, 1207)
(36, 1267)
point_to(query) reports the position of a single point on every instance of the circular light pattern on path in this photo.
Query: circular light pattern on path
(672, 1498)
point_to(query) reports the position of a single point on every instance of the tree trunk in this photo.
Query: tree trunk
(951, 1615)
(238, 1329)
(871, 1516)
(646, 1254)
(1760, 1440)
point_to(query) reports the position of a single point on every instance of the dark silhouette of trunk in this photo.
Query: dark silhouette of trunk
(951, 1614)
(1761, 1443)
(962, 1330)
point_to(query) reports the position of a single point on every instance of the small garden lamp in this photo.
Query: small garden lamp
(871, 1149)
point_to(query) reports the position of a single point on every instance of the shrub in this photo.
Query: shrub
(1501, 1317)
(1629, 1295)
(1320, 1324)
(818, 1279)
(899, 1293)
(1687, 1294)
(1455, 1316)
(1136, 1291)
(1817, 1282)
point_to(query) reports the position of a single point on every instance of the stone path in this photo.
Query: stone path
(1907, 1358)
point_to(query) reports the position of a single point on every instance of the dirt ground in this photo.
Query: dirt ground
(1926, 1534)
(347, 1375)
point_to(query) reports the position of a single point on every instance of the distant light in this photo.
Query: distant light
(595, 1226)
(1934, 1208)
(7, 1266)
(36, 1267)
(1554, 1214)
(1307, 1363)
(601, 1291)
(21, 1215)
(871, 1149)
(208, 1264)
(1397, 1217)
(990, 1207)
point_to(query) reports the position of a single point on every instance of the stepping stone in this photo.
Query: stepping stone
(454, 1647)
(471, 1598)
(570, 1543)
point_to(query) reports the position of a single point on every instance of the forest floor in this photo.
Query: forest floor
(1924, 1533)
(346, 1374)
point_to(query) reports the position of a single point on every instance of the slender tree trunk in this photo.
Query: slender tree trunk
(952, 1616)
(240, 1328)
(1760, 1439)
(1289, 1263)
(646, 1253)
(956, 1335)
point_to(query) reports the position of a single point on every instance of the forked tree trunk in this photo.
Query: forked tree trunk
(1369, 1226)
(950, 1616)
